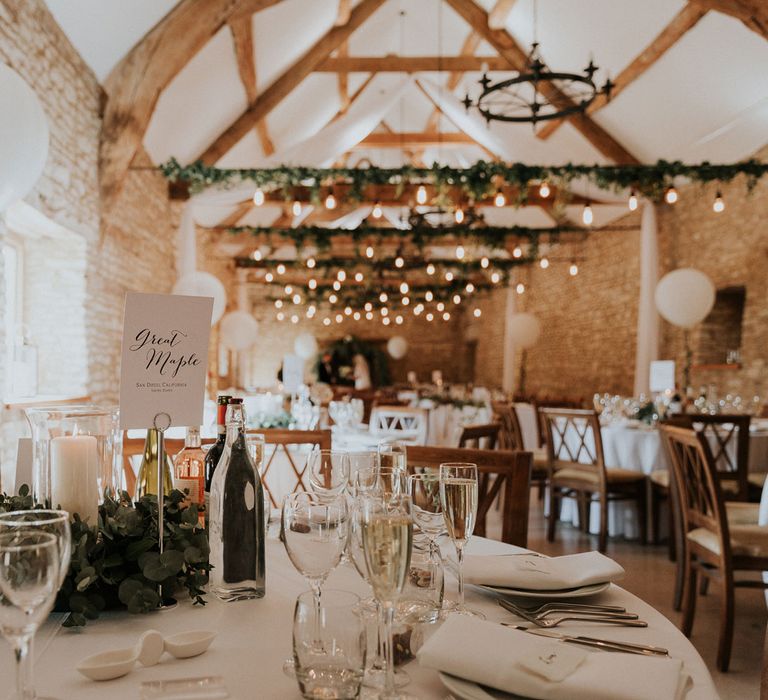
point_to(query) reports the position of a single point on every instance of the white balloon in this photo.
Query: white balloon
(305, 346)
(684, 297)
(397, 347)
(524, 329)
(203, 284)
(23, 137)
(238, 330)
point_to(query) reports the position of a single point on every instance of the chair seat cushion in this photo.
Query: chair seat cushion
(612, 475)
(660, 477)
(742, 513)
(757, 479)
(746, 540)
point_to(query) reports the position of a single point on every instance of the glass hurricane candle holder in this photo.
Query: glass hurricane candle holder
(76, 457)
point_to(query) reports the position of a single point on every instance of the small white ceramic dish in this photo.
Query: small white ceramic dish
(188, 644)
(468, 690)
(107, 665)
(581, 592)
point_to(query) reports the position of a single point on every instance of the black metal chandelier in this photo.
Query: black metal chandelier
(537, 94)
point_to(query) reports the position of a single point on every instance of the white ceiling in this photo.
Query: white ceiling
(706, 99)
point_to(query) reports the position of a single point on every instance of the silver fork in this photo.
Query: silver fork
(619, 614)
(535, 610)
(554, 622)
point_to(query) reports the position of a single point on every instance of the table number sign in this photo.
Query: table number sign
(164, 359)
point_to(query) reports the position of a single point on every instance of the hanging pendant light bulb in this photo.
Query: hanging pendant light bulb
(288, 290)
(428, 295)
(405, 301)
(499, 199)
(399, 262)
(449, 276)
(311, 262)
(356, 315)
(544, 262)
(269, 277)
(517, 252)
(256, 255)
(383, 297)
(296, 207)
(460, 252)
(456, 299)
(295, 318)
(333, 299)
(280, 316)
(458, 215)
(718, 205)
(477, 313)
(520, 289)
(336, 285)
(369, 252)
(377, 212)
(258, 197)
(430, 316)
(281, 269)
(385, 320)
(341, 275)
(359, 277)
(470, 288)
(440, 306)
(297, 298)
(326, 321)
(330, 201)
(544, 190)
(670, 196)
(399, 320)
(421, 195)
(404, 288)
(587, 216)
(278, 303)
(369, 316)
(446, 316)
(312, 284)
(495, 277)
(573, 270)
(632, 203)
(484, 262)
(368, 306)
(430, 269)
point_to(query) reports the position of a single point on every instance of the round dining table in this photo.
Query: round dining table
(254, 639)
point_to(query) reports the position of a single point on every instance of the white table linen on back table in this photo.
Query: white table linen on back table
(254, 638)
(446, 422)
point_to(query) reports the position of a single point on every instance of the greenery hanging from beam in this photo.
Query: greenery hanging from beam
(476, 182)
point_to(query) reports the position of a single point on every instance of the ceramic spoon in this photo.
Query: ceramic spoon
(107, 665)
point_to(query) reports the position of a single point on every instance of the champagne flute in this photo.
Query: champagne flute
(390, 481)
(387, 533)
(393, 455)
(458, 498)
(328, 473)
(314, 533)
(29, 581)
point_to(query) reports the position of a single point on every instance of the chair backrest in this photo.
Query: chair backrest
(134, 447)
(728, 439)
(291, 447)
(480, 436)
(698, 487)
(512, 472)
(511, 434)
(574, 440)
(404, 423)
(539, 404)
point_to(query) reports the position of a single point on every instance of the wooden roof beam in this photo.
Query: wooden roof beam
(412, 64)
(507, 46)
(136, 82)
(288, 80)
(497, 17)
(683, 22)
(753, 13)
(414, 139)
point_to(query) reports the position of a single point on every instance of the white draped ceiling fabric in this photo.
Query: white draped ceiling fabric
(647, 316)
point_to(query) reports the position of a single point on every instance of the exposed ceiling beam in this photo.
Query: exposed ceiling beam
(236, 215)
(343, 79)
(412, 64)
(497, 17)
(242, 35)
(342, 14)
(135, 83)
(414, 139)
(505, 44)
(753, 13)
(288, 80)
(683, 22)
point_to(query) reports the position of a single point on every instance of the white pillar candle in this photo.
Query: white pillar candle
(74, 474)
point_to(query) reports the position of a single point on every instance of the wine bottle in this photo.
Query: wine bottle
(236, 517)
(214, 454)
(146, 480)
(189, 472)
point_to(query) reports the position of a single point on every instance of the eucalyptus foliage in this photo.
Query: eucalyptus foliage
(117, 563)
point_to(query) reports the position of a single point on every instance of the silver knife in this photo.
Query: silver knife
(607, 644)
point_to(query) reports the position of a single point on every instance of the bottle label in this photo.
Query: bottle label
(191, 488)
(250, 498)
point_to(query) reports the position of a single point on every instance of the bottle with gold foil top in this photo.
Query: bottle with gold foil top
(236, 517)
(146, 480)
(189, 472)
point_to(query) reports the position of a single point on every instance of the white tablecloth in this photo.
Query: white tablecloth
(254, 638)
(447, 421)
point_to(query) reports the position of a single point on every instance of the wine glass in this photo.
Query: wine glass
(393, 455)
(458, 498)
(387, 534)
(365, 481)
(328, 473)
(315, 533)
(361, 461)
(29, 581)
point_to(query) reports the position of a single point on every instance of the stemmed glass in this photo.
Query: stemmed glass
(391, 482)
(458, 498)
(360, 461)
(387, 534)
(328, 473)
(315, 533)
(29, 581)
(393, 455)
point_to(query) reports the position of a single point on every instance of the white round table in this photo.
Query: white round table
(254, 638)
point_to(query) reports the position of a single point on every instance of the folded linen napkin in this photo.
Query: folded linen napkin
(535, 667)
(541, 573)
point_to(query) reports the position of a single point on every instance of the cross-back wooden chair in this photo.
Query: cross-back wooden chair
(577, 468)
(284, 439)
(539, 404)
(501, 473)
(480, 436)
(407, 424)
(720, 538)
(134, 447)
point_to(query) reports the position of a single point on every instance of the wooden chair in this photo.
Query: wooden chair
(474, 435)
(283, 439)
(511, 438)
(577, 468)
(539, 404)
(500, 473)
(133, 447)
(720, 538)
(403, 423)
